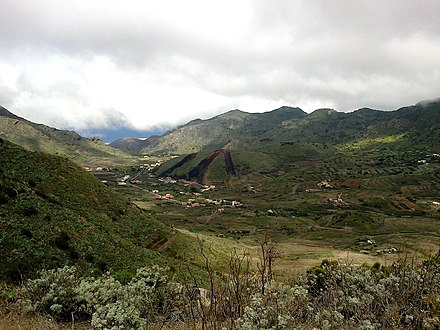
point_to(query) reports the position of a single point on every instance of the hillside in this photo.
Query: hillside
(54, 213)
(38, 137)
(256, 131)
(415, 124)
(270, 141)
(233, 127)
(376, 175)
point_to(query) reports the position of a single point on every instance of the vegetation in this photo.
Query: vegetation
(237, 130)
(376, 201)
(356, 190)
(38, 137)
(333, 295)
(54, 213)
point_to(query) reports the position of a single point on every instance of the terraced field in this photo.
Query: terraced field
(368, 206)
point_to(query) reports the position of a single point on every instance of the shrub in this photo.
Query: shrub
(333, 295)
(54, 291)
(109, 303)
(275, 309)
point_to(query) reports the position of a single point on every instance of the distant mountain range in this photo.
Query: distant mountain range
(236, 129)
(240, 143)
(38, 137)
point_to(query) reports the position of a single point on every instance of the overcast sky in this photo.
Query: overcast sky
(92, 64)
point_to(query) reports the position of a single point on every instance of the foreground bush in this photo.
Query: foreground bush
(106, 301)
(405, 295)
(333, 295)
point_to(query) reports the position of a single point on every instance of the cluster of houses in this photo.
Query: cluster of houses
(386, 251)
(324, 184)
(192, 202)
(338, 201)
(371, 241)
(221, 204)
(150, 167)
(382, 251)
(123, 181)
(425, 161)
(167, 180)
(186, 183)
(96, 169)
(321, 185)
(207, 188)
(250, 189)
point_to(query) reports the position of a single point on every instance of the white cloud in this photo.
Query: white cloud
(94, 64)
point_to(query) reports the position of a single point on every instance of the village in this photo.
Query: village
(165, 190)
(246, 209)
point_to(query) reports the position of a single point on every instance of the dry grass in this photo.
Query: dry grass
(294, 256)
(11, 318)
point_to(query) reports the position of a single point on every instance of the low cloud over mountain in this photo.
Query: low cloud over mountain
(91, 64)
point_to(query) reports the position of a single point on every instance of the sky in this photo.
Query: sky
(141, 65)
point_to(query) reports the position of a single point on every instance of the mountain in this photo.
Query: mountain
(38, 137)
(418, 123)
(240, 143)
(231, 128)
(129, 144)
(54, 213)
(252, 131)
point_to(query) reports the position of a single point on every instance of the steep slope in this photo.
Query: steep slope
(418, 123)
(199, 172)
(237, 130)
(218, 166)
(235, 127)
(272, 140)
(38, 137)
(54, 213)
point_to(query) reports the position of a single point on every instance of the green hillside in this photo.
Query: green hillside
(54, 213)
(273, 140)
(235, 127)
(38, 137)
(418, 124)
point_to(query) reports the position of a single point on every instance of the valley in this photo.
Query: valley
(287, 195)
(367, 205)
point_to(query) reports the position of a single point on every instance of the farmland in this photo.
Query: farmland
(367, 204)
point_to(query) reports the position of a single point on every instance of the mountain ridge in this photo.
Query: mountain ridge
(290, 124)
(6, 113)
(212, 133)
(39, 137)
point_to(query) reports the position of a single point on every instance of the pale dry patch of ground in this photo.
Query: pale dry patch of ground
(297, 256)
(292, 257)
(13, 319)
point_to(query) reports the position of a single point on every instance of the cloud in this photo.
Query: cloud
(97, 64)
